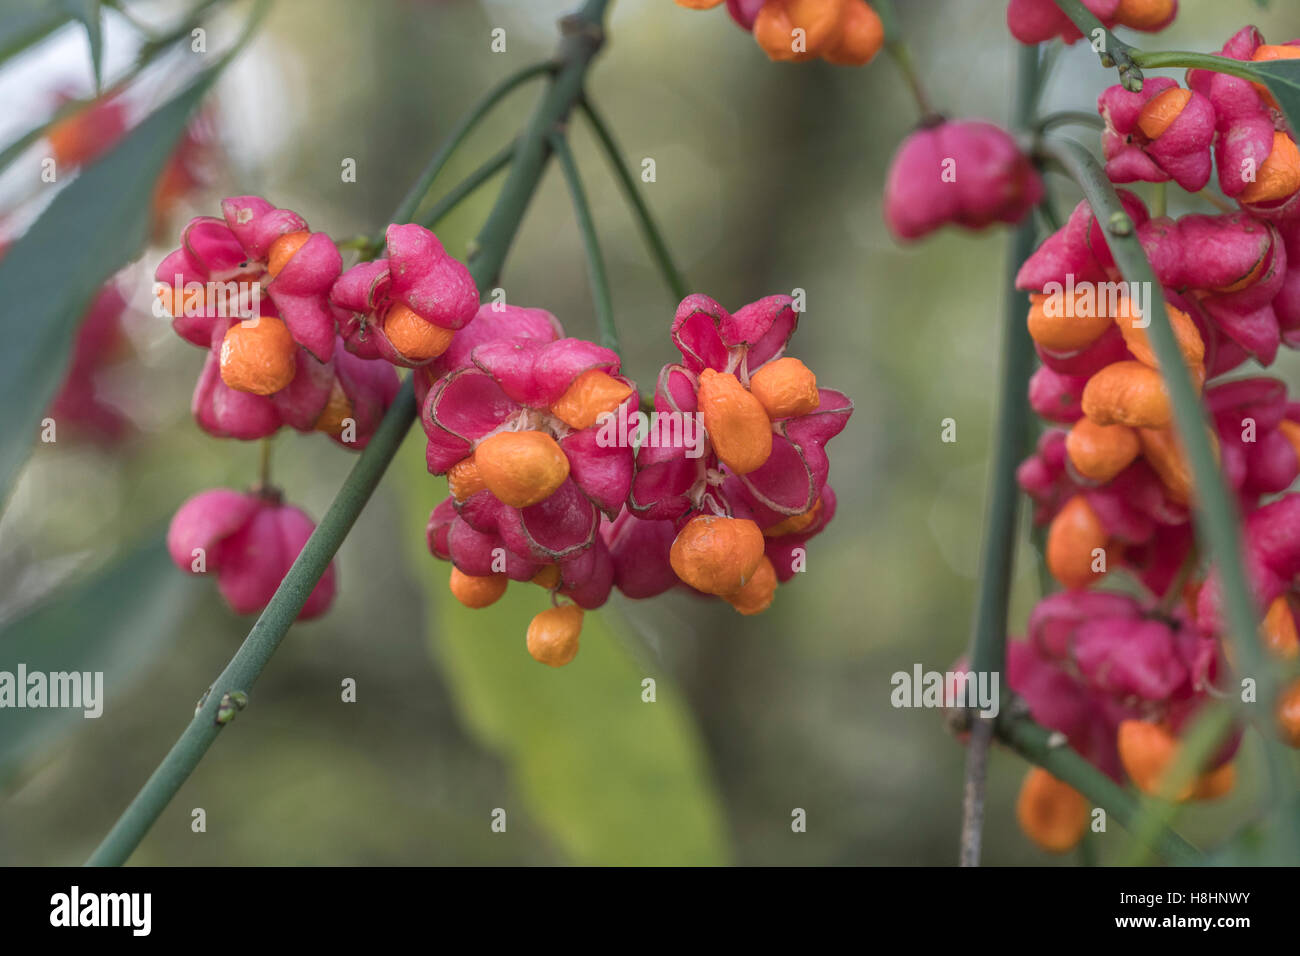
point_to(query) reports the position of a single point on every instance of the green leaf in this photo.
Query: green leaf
(1282, 77)
(91, 229)
(115, 621)
(24, 22)
(88, 13)
(611, 779)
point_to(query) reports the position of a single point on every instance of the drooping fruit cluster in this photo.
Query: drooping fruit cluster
(1119, 676)
(844, 32)
(554, 481)
(293, 340)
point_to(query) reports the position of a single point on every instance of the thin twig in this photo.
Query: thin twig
(601, 299)
(649, 228)
(988, 641)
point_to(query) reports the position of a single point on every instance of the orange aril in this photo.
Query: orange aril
(553, 635)
(592, 394)
(414, 336)
(259, 356)
(785, 388)
(1100, 452)
(477, 591)
(737, 425)
(717, 555)
(521, 468)
(1051, 813)
(284, 249)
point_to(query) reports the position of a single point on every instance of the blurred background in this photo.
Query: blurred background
(768, 179)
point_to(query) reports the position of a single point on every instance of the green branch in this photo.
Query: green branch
(415, 195)
(1113, 52)
(1049, 751)
(583, 35)
(649, 229)
(600, 295)
(462, 190)
(989, 637)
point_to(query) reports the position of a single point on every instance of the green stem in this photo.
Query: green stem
(1040, 746)
(462, 190)
(1064, 117)
(264, 464)
(649, 229)
(406, 211)
(1217, 201)
(1114, 51)
(902, 55)
(988, 640)
(1159, 200)
(1160, 59)
(600, 295)
(583, 37)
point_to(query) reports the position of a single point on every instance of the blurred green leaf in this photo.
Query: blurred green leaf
(92, 228)
(87, 12)
(612, 780)
(24, 22)
(115, 621)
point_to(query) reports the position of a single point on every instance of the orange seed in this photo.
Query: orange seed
(553, 635)
(785, 388)
(1278, 176)
(548, 577)
(464, 480)
(1279, 630)
(592, 394)
(1100, 452)
(1127, 393)
(1144, 14)
(258, 357)
(1186, 333)
(1051, 813)
(1164, 453)
(738, 428)
(1071, 328)
(795, 523)
(1148, 750)
(413, 336)
(1075, 533)
(717, 555)
(1160, 111)
(284, 249)
(521, 468)
(477, 591)
(755, 596)
(337, 410)
(1288, 714)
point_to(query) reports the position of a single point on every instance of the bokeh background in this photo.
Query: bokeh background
(768, 179)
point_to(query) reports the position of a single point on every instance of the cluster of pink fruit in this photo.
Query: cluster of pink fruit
(719, 496)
